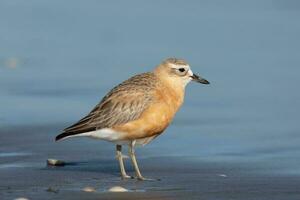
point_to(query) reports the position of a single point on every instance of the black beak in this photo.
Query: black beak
(199, 79)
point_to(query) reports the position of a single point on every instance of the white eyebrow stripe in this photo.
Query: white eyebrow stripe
(180, 66)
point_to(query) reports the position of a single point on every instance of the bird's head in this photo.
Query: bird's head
(177, 72)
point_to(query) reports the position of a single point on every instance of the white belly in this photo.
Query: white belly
(110, 135)
(103, 134)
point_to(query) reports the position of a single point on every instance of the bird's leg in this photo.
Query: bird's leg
(134, 162)
(121, 163)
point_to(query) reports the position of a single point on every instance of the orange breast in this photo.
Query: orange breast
(155, 119)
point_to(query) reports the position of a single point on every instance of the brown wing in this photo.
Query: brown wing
(124, 103)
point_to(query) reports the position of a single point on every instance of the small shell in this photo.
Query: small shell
(117, 189)
(54, 162)
(88, 189)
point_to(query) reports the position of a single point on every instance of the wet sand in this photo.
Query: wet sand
(23, 171)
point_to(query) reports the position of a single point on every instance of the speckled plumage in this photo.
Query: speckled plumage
(124, 103)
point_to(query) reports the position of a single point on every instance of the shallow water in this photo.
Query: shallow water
(57, 59)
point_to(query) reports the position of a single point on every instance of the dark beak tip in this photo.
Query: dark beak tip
(206, 82)
(198, 79)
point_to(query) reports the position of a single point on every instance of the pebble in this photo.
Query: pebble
(50, 189)
(54, 162)
(117, 189)
(89, 189)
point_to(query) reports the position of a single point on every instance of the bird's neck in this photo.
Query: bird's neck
(173, 91)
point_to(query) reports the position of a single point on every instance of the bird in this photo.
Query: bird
(137, 110)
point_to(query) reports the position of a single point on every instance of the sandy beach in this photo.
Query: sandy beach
(24, 172)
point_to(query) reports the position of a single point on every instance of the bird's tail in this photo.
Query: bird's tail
(63, 135)
(73, 133)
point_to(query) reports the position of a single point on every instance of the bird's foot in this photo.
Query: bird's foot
(124, 177)
(141, 178)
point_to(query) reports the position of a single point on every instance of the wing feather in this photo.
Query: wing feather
(124, 103)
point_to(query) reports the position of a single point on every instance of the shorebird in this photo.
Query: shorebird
(137, 110)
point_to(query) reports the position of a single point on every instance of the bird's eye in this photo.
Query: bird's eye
(181, 69)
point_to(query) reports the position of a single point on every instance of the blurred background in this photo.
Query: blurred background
(59, 58)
